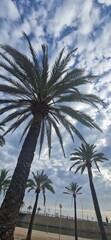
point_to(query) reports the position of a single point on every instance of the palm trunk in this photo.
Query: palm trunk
(75, 218)
(29, 233)
(10, 207)
(96, 206)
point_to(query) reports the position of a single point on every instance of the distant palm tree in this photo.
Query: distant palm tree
(85, 156)
(39, 183)
(38, 210)
(39, 97)
(4, 180)
(29, 208)
(74, 189)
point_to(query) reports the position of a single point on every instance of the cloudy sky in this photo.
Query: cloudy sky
(85, 24)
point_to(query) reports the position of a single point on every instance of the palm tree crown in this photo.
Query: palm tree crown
(33, 94)
(4, 180)
(40, 183)
(73, 189)
(85, 156)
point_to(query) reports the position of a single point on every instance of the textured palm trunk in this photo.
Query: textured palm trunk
(10, 207)
(96, 206)
(29, 233)
(75, 218)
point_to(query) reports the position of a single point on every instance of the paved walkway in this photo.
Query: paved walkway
(20, 233)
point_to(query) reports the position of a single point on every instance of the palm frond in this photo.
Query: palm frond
(2, 140)
(83, 168)
(78, 97)
(78, 168)
(48, 134)
(66, 193)
(44, 64)
(24, 64)
(74, 164)
(41, 137)
(16, 124)
(58, 133)
(97, 166)
(59, 67)
(79, 116)
(31, 49)
(10, 90)
(71, 129)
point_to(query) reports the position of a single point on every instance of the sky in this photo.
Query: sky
(81, 24)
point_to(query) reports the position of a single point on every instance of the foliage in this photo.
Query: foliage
(31, 91)
(85, 156)
(40, 183)
(73, 189)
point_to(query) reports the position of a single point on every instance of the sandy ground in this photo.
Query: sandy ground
(20, 233)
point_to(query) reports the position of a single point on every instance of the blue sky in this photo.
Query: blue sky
(84, 24)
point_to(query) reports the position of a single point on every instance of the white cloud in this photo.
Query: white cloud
(105, 2)
(8, 10)
(63, 17)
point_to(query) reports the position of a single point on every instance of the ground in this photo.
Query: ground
(20, 234)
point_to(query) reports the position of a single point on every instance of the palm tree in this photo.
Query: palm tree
(40, 99)
(38, 210)
(4, 181)
(74, 189)
(29, 208)
(85, 156)
(39, 183)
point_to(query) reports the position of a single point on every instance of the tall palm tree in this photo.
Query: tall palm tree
(74, 189)
(85, 156)
(39, 183)
(4, 181)
(40, 99)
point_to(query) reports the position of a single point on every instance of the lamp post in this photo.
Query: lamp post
(60, 205)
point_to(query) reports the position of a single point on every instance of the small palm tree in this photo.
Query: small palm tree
(39, 98)
(85, 156)
(29, 208)
(74, 189)
(4, 180)
(39, 183)
(38, 210)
